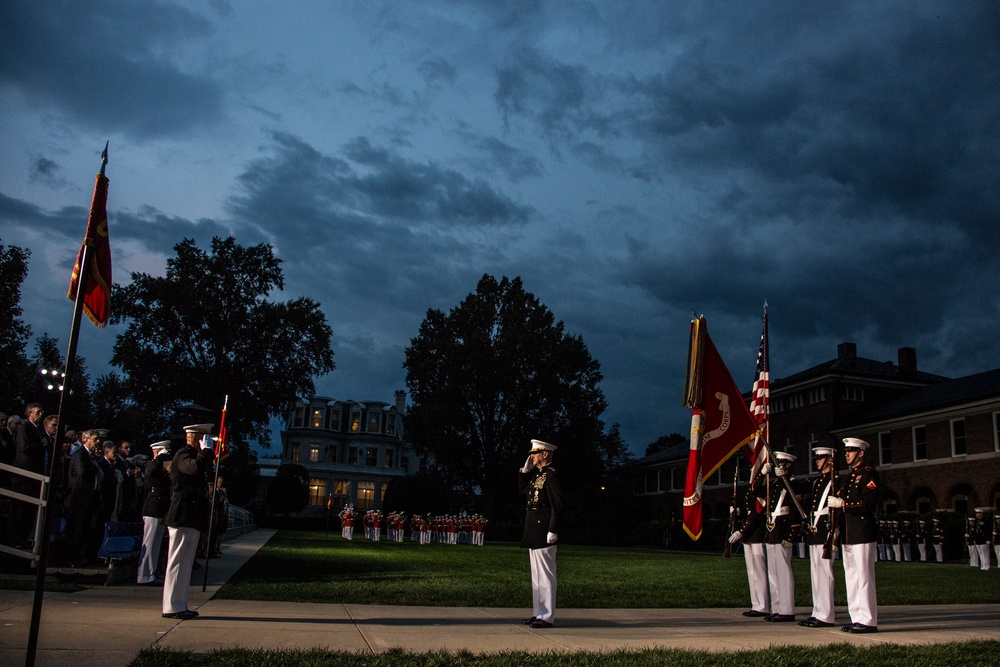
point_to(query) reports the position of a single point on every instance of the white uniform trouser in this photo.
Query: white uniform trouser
(984, 556)
(922, 548)
(149, 558)
(897, 549)
(996, 550)
(821, 576)
(859, 572)
(780, 580)
(180, 559)
(939, 552)
(756, 560)
(543, 583)
(973, 556)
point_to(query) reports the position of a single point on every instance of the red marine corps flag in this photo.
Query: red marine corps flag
(96, 276)
(720, 422)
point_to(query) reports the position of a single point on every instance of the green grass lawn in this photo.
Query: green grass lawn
(323, 567)
(963, 654)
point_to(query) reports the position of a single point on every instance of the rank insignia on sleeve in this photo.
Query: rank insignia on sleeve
(871, 484)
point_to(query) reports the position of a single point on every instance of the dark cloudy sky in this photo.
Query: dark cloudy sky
(631, 161)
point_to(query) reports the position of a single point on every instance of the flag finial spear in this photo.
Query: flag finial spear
(104, 156)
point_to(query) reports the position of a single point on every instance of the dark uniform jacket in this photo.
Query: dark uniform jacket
(754, 514)
(819, 534)
(189, 503)
(860, 488)
(157, 483)
(543, 490)
(783, 519)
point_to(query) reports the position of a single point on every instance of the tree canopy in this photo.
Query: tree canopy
(207, 330)
(14, 333)
(495, 372)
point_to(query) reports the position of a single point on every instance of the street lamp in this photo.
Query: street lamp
(49, 378)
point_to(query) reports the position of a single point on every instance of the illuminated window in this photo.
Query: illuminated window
(314, 453)
(341, 493)
(317, 492)
(317, 418)
(366, 496)
(355, 421)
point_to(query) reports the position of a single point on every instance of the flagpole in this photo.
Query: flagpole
(56, 455)
(215, 489)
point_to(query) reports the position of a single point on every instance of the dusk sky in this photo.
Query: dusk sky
(631, 161)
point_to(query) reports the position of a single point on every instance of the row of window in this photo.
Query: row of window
(354, 455)
(337, 493)
(672, 479)
(813, 396)
(359, 420)
(959, 442)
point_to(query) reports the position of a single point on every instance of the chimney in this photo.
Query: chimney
(400, 401)
(847, 351)
(907, 360)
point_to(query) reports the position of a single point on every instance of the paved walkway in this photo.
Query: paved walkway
(108, 626)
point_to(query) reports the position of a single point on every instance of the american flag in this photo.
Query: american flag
(760, 402)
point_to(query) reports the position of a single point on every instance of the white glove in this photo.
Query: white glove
(834, 502)
(765, 469)
(735, 537)
(207, 442)
(551, 538)
(528, 465)
(780, 471)
(786, 544)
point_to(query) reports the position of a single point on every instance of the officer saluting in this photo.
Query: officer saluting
(858, 499)
(187, 517)
(539, 481)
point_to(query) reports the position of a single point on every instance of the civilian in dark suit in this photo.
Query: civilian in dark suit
(81, 496)
(540, 482)
(29, 454)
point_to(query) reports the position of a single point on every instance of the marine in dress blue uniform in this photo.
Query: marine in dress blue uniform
(858, 498)
(187, 517)
(540, 483)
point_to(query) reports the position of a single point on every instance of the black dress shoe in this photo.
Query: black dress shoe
(780, 618)
(812, 622)
(182, 615)
(539, 623)
(529, 621)
(753, 613)
(860, 629)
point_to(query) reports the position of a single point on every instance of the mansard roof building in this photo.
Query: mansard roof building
(352, 449)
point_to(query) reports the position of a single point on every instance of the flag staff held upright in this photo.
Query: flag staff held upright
(90, 289)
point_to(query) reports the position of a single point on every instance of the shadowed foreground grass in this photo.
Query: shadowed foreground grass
(891, 655)
(320, 567)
